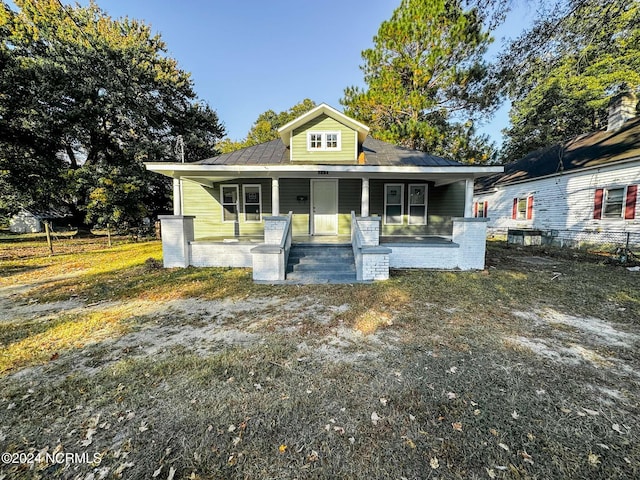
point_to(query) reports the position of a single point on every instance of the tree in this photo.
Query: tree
(85, 100)
(426, 80)
(266, 126)
(561, 73)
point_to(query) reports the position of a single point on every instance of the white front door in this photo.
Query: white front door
(324, 207)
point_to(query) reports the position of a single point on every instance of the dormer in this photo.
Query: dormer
(323, 135)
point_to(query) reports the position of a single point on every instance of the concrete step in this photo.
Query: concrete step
(321, 264)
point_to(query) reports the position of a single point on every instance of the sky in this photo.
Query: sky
(250, 56)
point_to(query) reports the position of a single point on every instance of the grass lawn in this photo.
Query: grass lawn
(527, 370)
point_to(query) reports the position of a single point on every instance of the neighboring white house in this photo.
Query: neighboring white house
(585, 190)
(25, 222)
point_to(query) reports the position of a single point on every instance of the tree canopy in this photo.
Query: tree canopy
(426, 80)
(266, 126)
(84, 101)
(560, 74)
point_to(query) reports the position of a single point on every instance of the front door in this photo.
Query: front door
(324, 207)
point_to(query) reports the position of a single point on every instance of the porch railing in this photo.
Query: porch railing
(372, 260)
(270, 258)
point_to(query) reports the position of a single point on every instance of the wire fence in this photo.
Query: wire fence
(624, 245)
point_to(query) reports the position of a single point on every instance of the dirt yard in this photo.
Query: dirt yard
(115, 368)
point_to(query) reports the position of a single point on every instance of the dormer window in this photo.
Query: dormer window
(323, 141)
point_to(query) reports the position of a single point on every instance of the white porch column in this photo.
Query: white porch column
(177, 196)
(275, 197)
(468, 198)
(364, 208)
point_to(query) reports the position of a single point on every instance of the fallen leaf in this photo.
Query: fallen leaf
(515, 415)
(457, 426)
(591, 412)
(313, 456)
(352, 440)
(602, 445)
(493, 432)
(593, 459)
(453, 369)
(412, 418)
(157, 472)
(434, 463)
(282, 448)
(476, 412)
(143, 427)
(451, 395)
(409, 443)
(340, 430)
(231, 428)
(383, 401)
(257, 386)
(531, 436)
(503, 446)
(375, 418)
(616, 428)
(527, 458)
(237, 440)
(88, 438)
(490, 472)
(172, 472)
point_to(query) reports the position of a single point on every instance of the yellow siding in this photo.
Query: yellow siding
(324, 123)
(204, 204)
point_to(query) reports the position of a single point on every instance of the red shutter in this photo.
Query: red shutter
(475, 209)
(514, 210)
(486, 209)
(529, 208)
(597, 203)
(630, 205)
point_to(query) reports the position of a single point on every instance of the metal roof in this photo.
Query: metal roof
(376, 152)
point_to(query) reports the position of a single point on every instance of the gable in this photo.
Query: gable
(324, 139)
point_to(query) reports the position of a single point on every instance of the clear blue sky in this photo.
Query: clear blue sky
(249, 56)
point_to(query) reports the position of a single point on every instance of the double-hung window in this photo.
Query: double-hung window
(229, 201)
(616, 202)
(418, 204)
(393, 203)
(252, 203)
(481, 209)
(522, 208)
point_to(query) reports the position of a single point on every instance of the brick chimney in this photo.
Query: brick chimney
(622, 107)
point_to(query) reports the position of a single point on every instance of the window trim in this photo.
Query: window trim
(401, 185)
(237, 203)
(245, 203)
(323, 141)
(623, 202)
(424, 204)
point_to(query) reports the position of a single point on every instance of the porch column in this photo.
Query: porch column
(364, 208)
(177, 196)
(468, 198)
(275, 197)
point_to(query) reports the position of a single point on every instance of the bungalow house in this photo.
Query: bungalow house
(324, 202)
(582, 191)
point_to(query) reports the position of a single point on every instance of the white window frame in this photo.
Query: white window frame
(323, 141)
(245, 203)
(401, 185)
(223, 203)
(605, 201)
(424, 204)
(518, 213)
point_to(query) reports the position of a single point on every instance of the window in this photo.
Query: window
(617, 202)
(522, 208)
(613, 201)
(315, 141)
(393, 203)
(252, 203)
(229, 200)
(480, 209)
(323, 141)
(418, 204)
